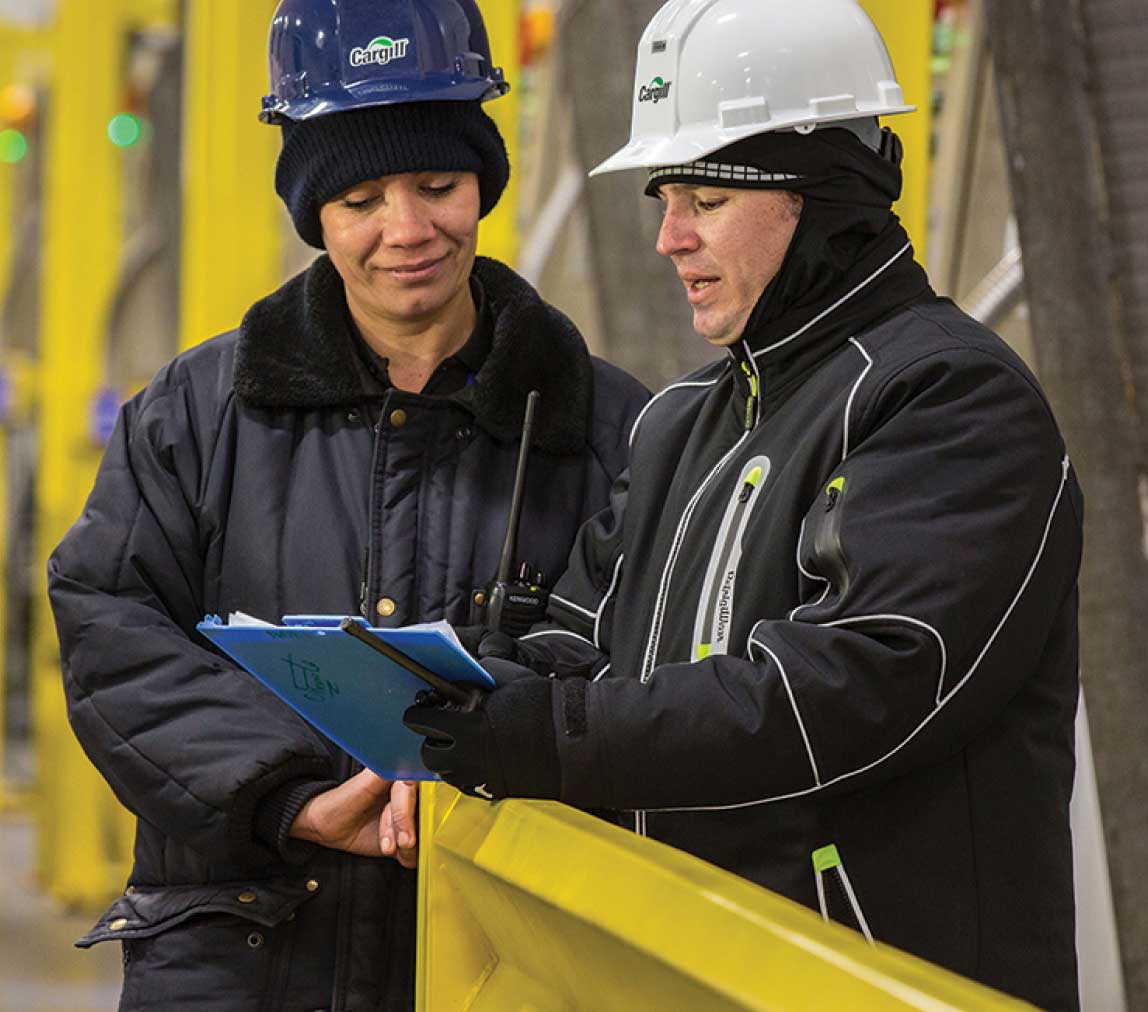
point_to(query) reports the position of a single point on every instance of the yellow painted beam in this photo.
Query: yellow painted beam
(907, 26)
(498, 234)
(9, 41)
(151, 13)
(81, 862)
(537, 905)
(24, 61)
(232, 219)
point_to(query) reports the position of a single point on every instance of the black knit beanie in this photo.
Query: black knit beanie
(324, 156)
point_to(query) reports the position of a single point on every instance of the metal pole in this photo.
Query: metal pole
(1090, 357)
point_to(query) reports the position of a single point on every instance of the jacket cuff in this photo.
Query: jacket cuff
(584, 777)
(277, 811)
(246, 844)
(521, 720)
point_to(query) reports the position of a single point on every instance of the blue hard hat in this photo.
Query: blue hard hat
(331, 56)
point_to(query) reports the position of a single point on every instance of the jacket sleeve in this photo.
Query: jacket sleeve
(933, 566)
(185, 740)
(575, 639)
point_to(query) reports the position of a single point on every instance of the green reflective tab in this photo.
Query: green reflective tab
(753, 477)
(836, 483)
(826, 858)
(703, 651)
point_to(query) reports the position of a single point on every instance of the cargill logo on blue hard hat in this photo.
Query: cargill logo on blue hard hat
(655, 91)
(380, 50)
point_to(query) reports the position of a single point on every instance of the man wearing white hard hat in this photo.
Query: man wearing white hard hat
(826, 637)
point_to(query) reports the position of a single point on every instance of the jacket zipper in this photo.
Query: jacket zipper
(827, 863)
(752, 416)
(715, 606)
(365, 580)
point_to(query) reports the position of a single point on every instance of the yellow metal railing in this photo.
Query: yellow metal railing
(534, 905)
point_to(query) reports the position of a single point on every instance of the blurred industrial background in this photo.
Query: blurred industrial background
(138, 217)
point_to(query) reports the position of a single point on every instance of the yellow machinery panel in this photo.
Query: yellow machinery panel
(534, 905)
(907, 26)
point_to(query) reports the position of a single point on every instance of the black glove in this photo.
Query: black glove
(505, 748)
(482, 643)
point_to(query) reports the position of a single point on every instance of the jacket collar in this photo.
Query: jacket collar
(296, 351)
(782, 351)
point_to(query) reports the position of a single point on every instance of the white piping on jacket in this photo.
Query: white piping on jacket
(602, 607)
(854, 620)
(844, 298)
(939, 707)
(853, 902)
(852, 394)
(572, 606)
(662, 393)
(792, 701)
(558, 632)
(596, 616)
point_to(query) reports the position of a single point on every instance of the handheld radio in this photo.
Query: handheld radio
(506, 605)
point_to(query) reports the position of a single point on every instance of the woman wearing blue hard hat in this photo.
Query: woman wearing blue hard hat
(351, 448)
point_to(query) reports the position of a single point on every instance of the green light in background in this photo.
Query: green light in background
(13, 146)
(125, 130)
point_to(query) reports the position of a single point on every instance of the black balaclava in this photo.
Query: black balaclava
(324, 156)
(848, 190)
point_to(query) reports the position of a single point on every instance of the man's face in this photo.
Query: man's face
(404, 245)
(726, 245)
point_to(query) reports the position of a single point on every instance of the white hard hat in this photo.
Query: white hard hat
(712, 72)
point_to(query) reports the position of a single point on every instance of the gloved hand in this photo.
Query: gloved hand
(482, 644)
(505, 748)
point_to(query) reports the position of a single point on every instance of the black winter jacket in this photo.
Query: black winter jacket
(264, 472)
(835, 607)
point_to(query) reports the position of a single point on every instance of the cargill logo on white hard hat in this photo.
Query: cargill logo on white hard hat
(655, 91)
(380, 50)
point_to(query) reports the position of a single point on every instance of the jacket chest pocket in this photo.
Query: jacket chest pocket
(714, 620)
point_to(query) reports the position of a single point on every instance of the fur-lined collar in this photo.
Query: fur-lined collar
(296, 350)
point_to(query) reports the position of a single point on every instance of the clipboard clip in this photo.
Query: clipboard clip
(466, 697)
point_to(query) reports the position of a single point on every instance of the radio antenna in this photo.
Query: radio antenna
(511, 542)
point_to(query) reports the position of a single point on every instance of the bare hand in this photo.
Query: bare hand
(350, 817)
(398, 828)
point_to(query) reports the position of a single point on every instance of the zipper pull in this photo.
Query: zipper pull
(750, 484)
(833, 493)
(751, 400)
(363, 582)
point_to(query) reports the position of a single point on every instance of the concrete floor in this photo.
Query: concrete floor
(40, 970)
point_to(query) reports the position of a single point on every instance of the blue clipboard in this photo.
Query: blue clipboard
(354, 695)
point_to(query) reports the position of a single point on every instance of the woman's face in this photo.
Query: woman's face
(404, 245)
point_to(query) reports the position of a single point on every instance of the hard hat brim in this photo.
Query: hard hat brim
(691, 145)
(394, 93)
